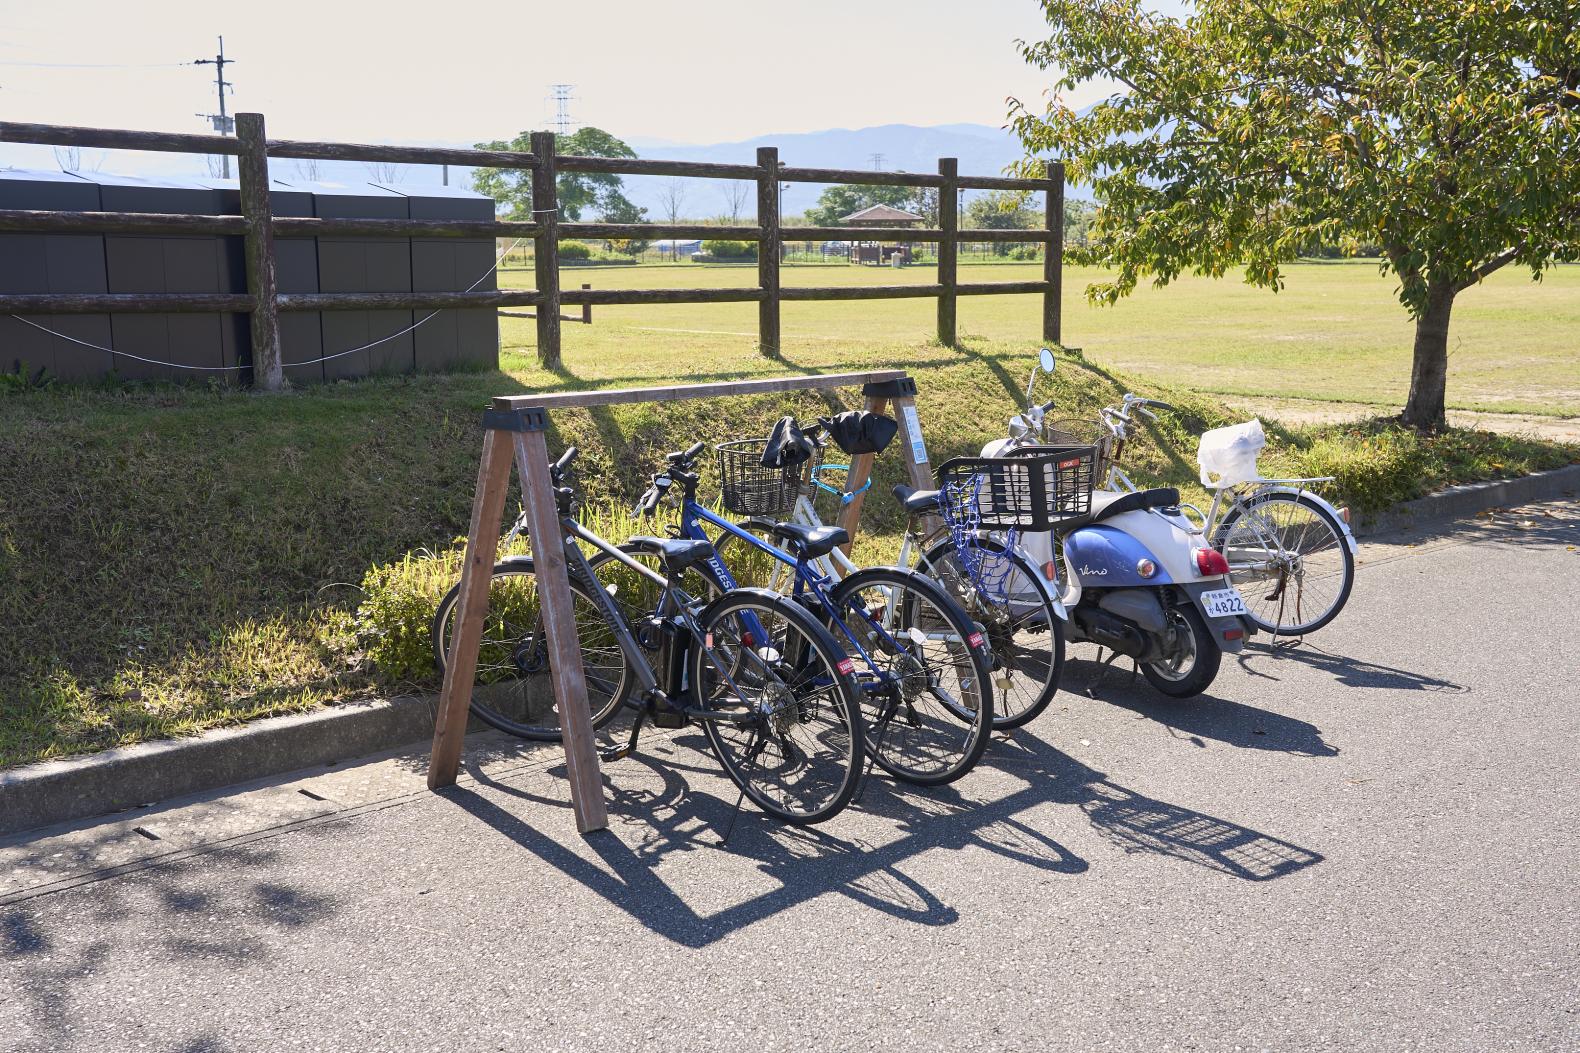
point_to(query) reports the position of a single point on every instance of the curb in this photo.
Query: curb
(1471, 498)
(97, 783)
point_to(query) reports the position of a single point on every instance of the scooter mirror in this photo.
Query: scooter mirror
(1046, 358)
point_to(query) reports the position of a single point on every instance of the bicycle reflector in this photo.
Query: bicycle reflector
(1211, 562)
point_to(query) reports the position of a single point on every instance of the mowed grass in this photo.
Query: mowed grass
(1336, 332)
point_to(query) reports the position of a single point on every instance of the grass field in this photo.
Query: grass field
(1335, 332)
(173, 559)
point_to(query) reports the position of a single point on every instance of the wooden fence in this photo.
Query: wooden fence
(258, 226)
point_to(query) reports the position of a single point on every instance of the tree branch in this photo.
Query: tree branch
(1500, 260)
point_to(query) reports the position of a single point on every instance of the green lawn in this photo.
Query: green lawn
(1335, 332)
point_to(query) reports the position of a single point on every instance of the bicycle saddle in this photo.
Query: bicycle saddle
(810, 542)
(1157, 497)
(917, 502)
(677, 553)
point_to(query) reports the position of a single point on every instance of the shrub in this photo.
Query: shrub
(730, 250)
(574, 250)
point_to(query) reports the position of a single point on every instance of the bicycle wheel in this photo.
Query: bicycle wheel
(1289, 559)
(779, 705)
(513, 690)
(1024, 632)
(927, 700)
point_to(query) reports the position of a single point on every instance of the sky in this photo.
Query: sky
(690, 71)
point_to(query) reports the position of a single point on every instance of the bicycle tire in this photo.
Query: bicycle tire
(512, 691)
(933, 724)
(1012, 636)
(1332, 540)
(807, 706)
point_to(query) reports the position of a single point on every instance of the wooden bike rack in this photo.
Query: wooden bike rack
(514, 428)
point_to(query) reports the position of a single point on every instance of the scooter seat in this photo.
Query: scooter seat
(917, 502)
(1140, 501)
(810, 542)
(677, 553)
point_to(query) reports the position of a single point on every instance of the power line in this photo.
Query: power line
(98, 65)
(222, 122)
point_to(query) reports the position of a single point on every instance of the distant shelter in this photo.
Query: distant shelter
(880, 216)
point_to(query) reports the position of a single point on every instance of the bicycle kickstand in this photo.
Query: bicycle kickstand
(615, 753)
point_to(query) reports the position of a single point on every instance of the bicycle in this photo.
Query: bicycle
(987, 576)
(921, 664)
(1273, 532)
(771, 688)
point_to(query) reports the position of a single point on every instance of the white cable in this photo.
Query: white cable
(283, 365)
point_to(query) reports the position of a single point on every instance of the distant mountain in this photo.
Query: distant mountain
(980, 148)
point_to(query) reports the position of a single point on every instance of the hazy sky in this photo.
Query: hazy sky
(696, 71)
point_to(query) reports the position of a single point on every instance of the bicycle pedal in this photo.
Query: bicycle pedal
(615, 753)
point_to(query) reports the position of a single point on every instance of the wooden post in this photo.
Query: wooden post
(252, 168)
(949, 222)
(1053, 256)
(546, 258)
(460, 667)
(855, 479)
(559, 625)
(587, 306)
(768, 232)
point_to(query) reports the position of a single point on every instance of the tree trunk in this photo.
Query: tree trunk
(1429, 372)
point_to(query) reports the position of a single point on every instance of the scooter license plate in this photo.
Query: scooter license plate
(1222, 603)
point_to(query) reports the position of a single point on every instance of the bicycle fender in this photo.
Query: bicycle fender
(1295, 491)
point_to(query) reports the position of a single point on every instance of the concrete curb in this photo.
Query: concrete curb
(96, 783)
(1471, 498)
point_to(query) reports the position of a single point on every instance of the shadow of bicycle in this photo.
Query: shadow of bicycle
(654, 813)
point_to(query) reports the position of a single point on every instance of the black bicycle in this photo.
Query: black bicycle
(771, 688)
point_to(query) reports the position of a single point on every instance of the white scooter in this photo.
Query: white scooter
(1138, 577)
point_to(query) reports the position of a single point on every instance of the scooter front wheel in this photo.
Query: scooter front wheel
(1196, 657)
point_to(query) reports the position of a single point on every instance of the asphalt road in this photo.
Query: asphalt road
(1371, 842)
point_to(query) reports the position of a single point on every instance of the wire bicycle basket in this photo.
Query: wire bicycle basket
(750, 489)
(1029, 490)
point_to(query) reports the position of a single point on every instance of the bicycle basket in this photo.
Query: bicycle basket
(748, 488)
(1029, 490)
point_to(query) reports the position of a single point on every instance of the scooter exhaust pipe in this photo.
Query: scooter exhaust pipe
(1110, 631)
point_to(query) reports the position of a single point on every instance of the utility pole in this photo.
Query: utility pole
(223, 124)
(877, 162)
(561, 98)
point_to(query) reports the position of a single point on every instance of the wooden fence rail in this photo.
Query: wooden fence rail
(258, 228)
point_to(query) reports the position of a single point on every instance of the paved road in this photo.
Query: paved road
(1368, 843)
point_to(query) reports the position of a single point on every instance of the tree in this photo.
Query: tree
(841, 200)
(735, 191)
(672, 198)
(1001, 210)
(577, 191)
(1445, 131)
(386, 171)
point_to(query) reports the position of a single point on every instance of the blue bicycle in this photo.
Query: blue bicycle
(921, 664)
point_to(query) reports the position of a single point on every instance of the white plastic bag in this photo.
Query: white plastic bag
(1228, 455)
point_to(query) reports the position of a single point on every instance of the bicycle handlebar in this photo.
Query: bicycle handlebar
(565, 460)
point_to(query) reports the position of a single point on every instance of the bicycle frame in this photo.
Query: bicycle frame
(672, 602)
(810, 583)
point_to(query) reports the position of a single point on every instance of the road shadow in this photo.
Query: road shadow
(1203, 717)
(233, 929)
(1263, 661)
(657, 814)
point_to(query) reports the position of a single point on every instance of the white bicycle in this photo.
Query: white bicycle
(1290, 552)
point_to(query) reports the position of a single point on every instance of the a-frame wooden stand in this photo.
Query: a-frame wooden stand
(514, 430)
